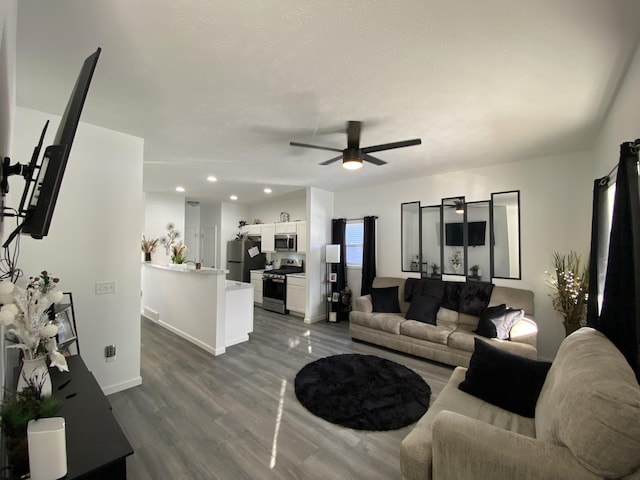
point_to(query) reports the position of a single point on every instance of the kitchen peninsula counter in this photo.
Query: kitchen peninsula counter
(193, 304)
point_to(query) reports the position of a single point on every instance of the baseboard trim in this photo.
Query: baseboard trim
(118, 387)
(235, 341)
(205, 346)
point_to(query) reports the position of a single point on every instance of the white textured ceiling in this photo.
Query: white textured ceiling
(220, 87)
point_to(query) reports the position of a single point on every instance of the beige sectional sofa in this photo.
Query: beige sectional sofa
(586, 424)
(451, 340)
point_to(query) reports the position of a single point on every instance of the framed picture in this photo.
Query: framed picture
(333, 277)
(336, 296)
(66, 334)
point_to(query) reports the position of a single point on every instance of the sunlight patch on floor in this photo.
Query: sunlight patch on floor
(308, 335)
(274, 446)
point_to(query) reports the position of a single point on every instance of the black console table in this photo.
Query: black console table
(96, 445)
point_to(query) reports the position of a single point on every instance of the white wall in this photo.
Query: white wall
(8, 21)
(210, 222)
(555, 213)
(160, 209)
(268, 210)
(94, 237)
(320, 205)
(623, 121)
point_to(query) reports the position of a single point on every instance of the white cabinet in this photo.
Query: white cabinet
(286, 227)
(296, 294)
(268, 232)
(253, 230)
(301, 231)
(256, 281)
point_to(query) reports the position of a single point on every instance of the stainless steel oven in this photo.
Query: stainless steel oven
(274, 285)
(286, 242)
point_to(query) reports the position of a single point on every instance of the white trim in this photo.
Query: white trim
(206, 347)
(118, 387)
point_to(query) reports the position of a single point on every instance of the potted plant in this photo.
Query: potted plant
(475, 271)
(16, 412)
(148, 246)
(570, 282)
(178, 253)
(435, 269)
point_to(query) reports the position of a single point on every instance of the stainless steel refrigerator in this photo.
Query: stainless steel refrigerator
(242, 258)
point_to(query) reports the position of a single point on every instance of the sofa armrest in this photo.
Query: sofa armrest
(525, 330)
(466, 448)
(363, 304)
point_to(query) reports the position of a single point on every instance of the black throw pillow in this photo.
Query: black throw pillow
(451, 295)
(385, 299)
(489, 317)
(423, 286)
(423, 309)
(507, 380)
(474, 297)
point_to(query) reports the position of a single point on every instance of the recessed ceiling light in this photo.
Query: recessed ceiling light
(211, 178)
(179, 189)
(267, 190)
(233, 197)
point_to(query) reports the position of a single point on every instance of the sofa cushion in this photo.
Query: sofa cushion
(474, 297)
(426, 331)
(504, 379)
(423, 309)
(387, 322)
(385, 300)
(447, 317)
(496, 322)
(590, 403)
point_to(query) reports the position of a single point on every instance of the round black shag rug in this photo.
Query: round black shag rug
(364, 392)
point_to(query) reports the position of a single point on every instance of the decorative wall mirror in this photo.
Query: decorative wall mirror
(410, 228)
(453, 236)
(478, 245)
(505, 235)
(431, 258)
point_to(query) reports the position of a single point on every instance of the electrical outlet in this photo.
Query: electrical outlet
(105, 288)
(110, 353)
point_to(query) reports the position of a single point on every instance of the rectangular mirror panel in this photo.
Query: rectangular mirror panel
(410, 236)
(506, 235)
(431, 267)
(478, 245)
(453, 236)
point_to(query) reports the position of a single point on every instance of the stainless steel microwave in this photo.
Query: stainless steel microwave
(286, 242)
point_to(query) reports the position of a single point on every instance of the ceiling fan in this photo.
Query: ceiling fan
(353, 156)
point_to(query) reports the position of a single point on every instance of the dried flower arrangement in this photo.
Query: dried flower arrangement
(570, 280)
(148, 246)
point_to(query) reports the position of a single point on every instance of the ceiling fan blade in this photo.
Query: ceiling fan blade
(353, 134)
(389, 146)
(331, 160)
(331, 149)
(376, 161)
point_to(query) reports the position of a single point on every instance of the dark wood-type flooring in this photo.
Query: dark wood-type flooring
(236, 416)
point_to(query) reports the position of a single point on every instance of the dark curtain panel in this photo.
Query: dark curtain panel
(338, 228)
(620, 315)
(597, 264)
(368, 255)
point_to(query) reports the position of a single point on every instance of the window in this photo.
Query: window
(354, 239)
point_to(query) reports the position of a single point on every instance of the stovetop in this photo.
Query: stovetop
(287, 266)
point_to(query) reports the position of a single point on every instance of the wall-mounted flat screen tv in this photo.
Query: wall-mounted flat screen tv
(48, 175)
(454, 235)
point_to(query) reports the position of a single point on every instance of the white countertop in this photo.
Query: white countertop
(235, 285)
(187, 268)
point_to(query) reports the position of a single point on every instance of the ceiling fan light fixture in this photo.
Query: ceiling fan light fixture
(352, 163)
(459, 206)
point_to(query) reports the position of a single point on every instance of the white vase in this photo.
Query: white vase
(37, 371)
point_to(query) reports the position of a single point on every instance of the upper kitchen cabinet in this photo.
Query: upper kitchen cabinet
(286, 227)
(267, 237)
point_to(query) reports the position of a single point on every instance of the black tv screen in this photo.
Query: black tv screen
(454, 236)
(47, 177)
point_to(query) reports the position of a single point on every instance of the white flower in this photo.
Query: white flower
(10, 307)
(6, 287)
(6, 317)
(49, 331)
(58, 360)
(55, 296)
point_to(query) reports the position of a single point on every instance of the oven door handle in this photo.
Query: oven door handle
(277, 280)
